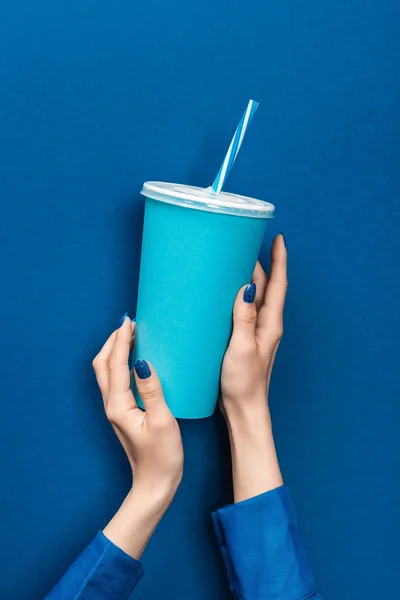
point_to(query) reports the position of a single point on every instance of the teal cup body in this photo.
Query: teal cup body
(193, 262)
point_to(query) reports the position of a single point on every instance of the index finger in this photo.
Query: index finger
(270, 315)
(261, 280)
(100, 365)
(119, 375)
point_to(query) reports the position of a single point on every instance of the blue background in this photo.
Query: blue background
(98, 96)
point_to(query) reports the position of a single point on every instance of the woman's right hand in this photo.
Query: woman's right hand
(246, 373)
(257, 332)
(151, 440)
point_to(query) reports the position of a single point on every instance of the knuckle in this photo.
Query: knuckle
(249, 317)
(277, 331)
(149, 392)
(161, 422)
(279, 280)
(113, 414)
(242, 346)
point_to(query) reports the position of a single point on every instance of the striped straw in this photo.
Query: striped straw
(234, 147)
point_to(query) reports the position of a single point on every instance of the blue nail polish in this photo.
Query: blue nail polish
(284, 239)
(123, 318)
(250, 293)
(142, 369)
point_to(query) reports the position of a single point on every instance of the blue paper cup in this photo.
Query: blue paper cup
(198, 249)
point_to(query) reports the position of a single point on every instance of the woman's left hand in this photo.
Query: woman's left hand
(151, 440)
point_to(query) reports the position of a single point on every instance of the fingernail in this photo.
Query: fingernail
(123, 318)
(142, 369)
(284, 239)
(250, 293)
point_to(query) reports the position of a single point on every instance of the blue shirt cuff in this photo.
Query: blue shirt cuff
(102, 572)
(262, 549)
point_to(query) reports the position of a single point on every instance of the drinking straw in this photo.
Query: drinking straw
(234, 147)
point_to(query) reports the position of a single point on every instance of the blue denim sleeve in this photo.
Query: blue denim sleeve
(262, 549)
(102, 572)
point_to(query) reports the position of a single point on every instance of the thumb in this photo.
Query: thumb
(245, 315)
(149, 388)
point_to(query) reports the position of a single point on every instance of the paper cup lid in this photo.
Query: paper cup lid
(206, 199)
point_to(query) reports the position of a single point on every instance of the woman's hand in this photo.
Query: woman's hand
(257, 331)
(246, 373)
(151, 440)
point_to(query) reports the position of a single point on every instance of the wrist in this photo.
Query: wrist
(246, 414)
(255, 466)
(150, 500)
(133, 525)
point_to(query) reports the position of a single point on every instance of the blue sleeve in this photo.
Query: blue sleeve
(262, 549)
(102, 572)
